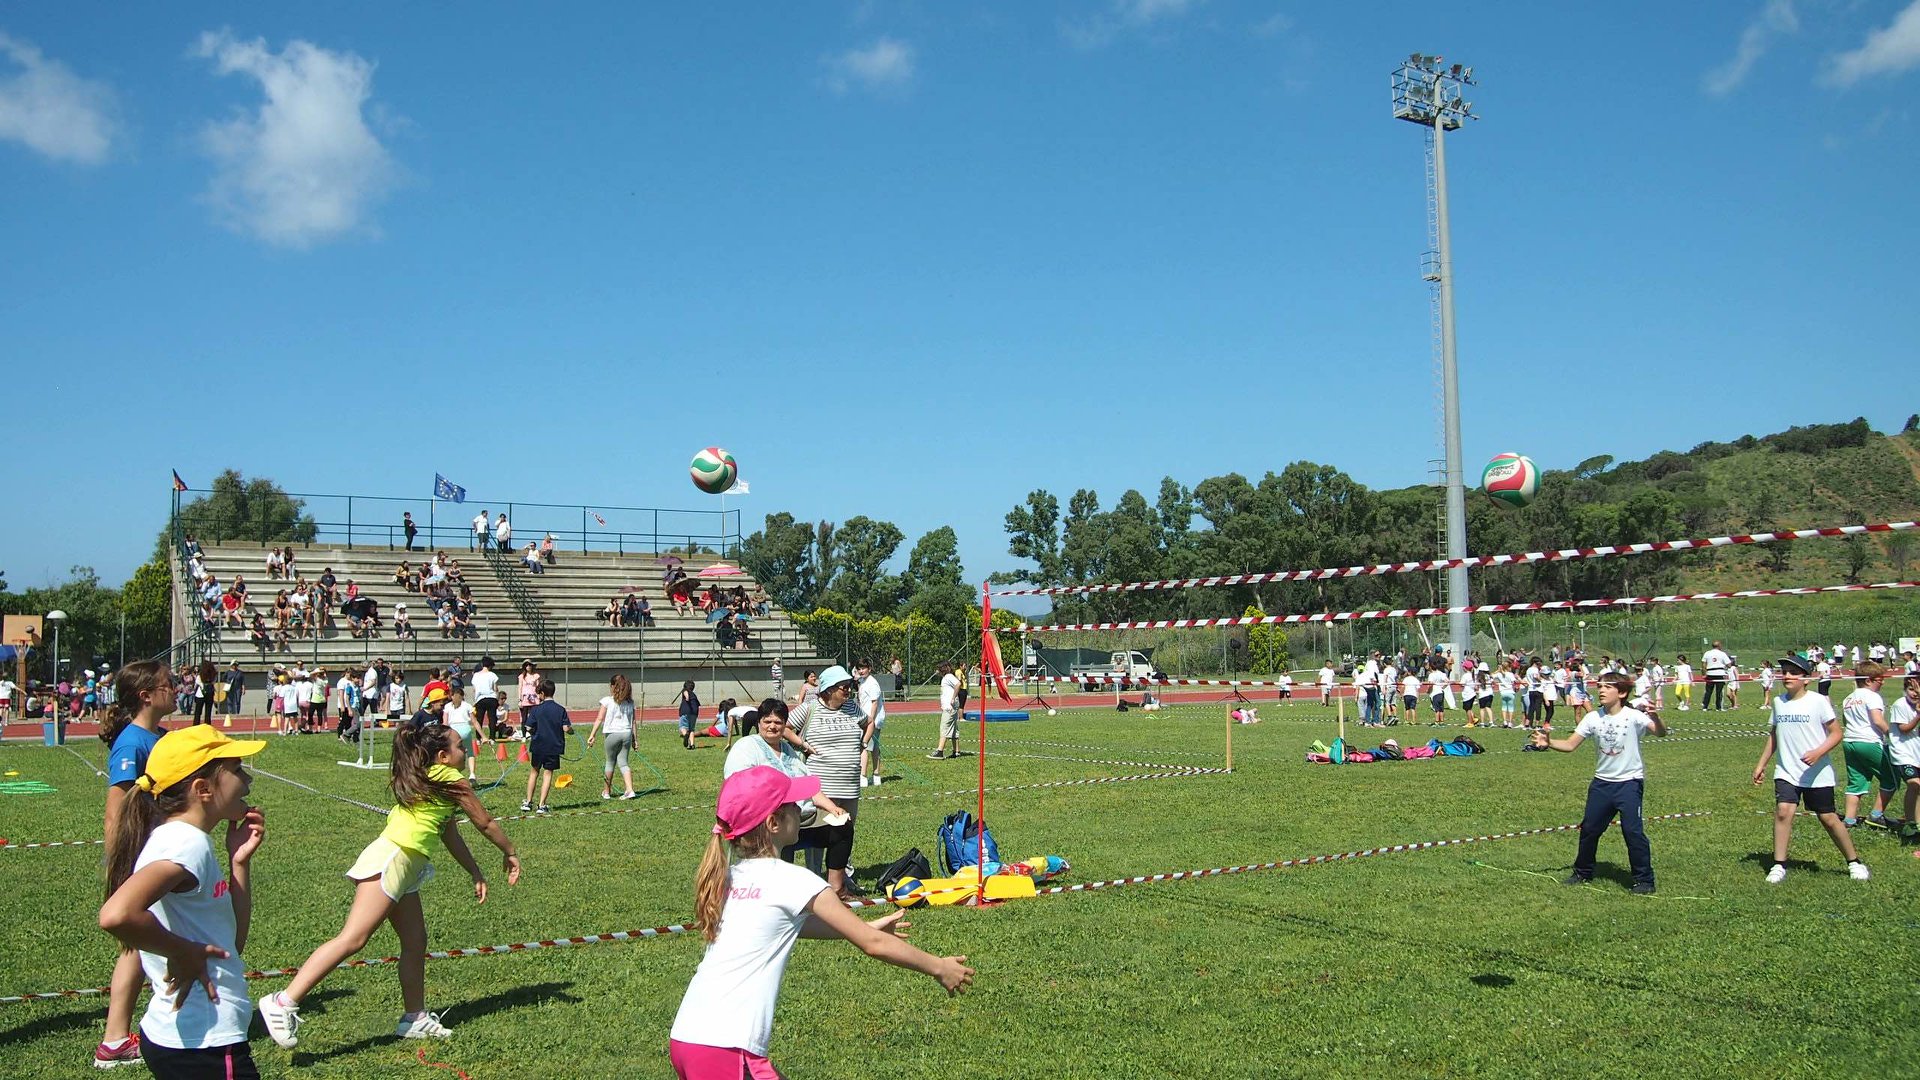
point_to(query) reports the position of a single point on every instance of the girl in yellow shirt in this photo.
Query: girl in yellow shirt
(387, 877)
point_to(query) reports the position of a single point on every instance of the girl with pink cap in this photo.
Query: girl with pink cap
(751, 913)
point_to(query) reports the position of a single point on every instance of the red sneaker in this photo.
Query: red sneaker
(128, 1054)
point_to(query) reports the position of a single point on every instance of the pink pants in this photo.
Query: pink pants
(692, 1061)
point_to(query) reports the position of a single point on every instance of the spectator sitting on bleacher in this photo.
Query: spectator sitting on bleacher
(462, 617)
(679, 595)
(196, 570)
(230, 616)
(276, 565)
(546, 551)
(761, 601)
(363, 617)
(742, 631)
(436, 570)
(443, 618)
(402, 626)
(637, 611)
(297, 609)
(261, 637)
(531, 557)
(611, 613)
(190, 545)
(282, 611)
(401, 573)
(286, 568)
(454, 576)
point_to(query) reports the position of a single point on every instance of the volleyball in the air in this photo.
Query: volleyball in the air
(1511, 478)
(908, 892)
(713, 470)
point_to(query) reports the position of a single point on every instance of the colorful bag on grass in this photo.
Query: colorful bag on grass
(1320, 748)
(1359, 757)
(1412, 752)
(960, 840)
(1456, 748)
(1318, 759)
(1338, 752)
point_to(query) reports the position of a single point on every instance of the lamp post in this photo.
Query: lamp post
(1431, 95)
(56, 617)
(1583, 637)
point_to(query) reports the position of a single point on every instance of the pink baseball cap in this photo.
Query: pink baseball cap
(751, 796)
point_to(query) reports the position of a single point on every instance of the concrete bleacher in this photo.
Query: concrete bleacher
(550, 616)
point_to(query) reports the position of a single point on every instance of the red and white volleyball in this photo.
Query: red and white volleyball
(1511, 478)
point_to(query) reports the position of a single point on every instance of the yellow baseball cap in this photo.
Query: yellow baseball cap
(181, 753)
(434, 696)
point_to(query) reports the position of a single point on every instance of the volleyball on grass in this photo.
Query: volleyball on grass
(908, 892)
(1511, 478)
(713, 470)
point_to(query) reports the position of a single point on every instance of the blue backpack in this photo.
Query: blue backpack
(960, 839)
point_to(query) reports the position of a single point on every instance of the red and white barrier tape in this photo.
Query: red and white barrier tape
(1464, 609)
(1057, 890)
(1520, 558)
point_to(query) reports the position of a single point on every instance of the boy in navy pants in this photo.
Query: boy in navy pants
(1619, 778)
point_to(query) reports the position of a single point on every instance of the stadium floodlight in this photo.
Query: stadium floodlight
(1424, 93)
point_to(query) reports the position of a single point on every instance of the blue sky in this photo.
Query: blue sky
(913, 260)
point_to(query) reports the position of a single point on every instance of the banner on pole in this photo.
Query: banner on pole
(444, 488)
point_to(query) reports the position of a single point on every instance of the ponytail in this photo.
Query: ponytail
(710, 888)
(710, 881)
(139, 677)
(414, 750)
(140, 813)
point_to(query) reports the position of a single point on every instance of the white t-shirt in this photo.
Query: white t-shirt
(1616, 738)
(486, 685)
(1286, 681)
(949, 690)
(872, 701)
(205, 914)
(730, 1001)
(1766, 678)
(6, 691)
(1326, 678)
(619, 716)
(1715, 661)
(1906, 748)
(1410, 686)
(1858, 709)
(480, 524)
(396, 696)
(1504, 680)
(1823, 671)
(1799, 727)
(1436, 682)
(1389, 678)
(1683, 674)
(459, 717)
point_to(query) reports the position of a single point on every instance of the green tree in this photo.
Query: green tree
(1035, 531)
(861, 585)
(254, 510)
(147, 599)
(1899, 552)
(1267, 652)
(936, 582)
(781, 557)
(90, 636)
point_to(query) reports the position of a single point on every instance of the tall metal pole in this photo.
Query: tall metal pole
(1459, 625)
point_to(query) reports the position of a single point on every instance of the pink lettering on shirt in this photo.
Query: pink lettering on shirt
(751, 892)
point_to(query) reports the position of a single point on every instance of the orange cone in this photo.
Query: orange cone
(502, 755)
(523, 753)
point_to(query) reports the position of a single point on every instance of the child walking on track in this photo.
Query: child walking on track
(143, 696)
(751, 913)
(1804, 735)
(168, 899)
(388, 875)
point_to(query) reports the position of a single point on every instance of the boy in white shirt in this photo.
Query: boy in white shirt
(1619, 779)
(1326, 685)
(1864, 747)
(1903, 729)
(1804, 734)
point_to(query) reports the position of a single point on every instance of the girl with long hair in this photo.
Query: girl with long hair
(751, 908)
(143, 696)
(171, 909)
(428, 790)
(616, 713)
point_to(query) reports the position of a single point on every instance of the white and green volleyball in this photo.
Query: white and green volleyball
(713, 470)
(1511, 478)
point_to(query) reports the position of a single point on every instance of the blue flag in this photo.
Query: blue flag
(444, 488)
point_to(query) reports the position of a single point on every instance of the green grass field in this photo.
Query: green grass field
(1450, 961)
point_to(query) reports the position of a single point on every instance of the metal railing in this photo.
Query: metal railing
(376, 520)
(532, 613)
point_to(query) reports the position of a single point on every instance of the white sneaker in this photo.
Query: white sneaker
(1858, 871)
(425, 1026)
(605, 795)
(526, 808)
(1776, 875)
(282, 1019)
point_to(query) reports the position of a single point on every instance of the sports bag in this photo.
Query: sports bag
(1456, 748)
(911, 865)
(960, 839)
(1387, 753)
(1413, 752)
(1338, 751)
(1359, 757)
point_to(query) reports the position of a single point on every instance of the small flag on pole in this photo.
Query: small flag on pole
(598, 518)
(178, 484)
(739, 488)
(444, 488)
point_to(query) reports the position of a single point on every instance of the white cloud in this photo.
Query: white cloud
(303, 167)
(887, 64)
(1887, 51)
(1776, 19)
(1096, 31)
(52, 110)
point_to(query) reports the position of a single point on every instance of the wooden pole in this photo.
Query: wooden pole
(1343, 711)
(1229, 740)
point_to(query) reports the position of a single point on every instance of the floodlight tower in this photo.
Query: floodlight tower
(1433, 96)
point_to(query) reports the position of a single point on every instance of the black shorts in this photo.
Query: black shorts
(1907, 772)
(231, 1062)
(1817, 800)
(551, 763)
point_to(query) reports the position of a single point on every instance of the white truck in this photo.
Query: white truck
(1128, 665)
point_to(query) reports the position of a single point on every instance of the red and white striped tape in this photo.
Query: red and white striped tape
(1057, 890)
(7, 845)
(1462, 609)
(1519, 558)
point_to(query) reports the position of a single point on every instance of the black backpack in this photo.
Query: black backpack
(911, 865)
